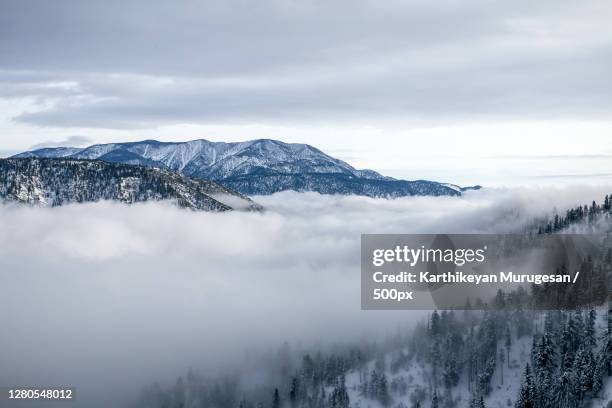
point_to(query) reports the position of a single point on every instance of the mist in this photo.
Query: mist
(108, 298)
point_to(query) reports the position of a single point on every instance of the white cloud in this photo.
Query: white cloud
(112, 296)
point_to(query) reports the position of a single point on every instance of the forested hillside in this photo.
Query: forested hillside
(589, 216)
(475, 359)
(55, 182)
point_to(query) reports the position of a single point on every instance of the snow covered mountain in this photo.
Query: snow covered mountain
(256, 167)
(54, 182)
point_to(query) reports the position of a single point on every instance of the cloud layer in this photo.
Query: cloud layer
(107, 297)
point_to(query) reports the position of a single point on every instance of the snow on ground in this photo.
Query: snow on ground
(605, 399)
(418, 376)
(513, 376)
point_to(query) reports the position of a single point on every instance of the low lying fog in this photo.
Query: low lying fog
(111, 297)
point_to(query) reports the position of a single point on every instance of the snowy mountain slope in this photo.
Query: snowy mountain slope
(259, 167)
(53, 182)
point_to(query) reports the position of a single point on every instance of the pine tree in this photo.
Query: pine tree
(383, 390)
(373, 385)
(598, 376)
(606, 350)
(435, 359)
(583, 370)
(451, 374)
(508, 344)
(501, 366)
(565, 395)
(434, 400)
(576, 328)
(604, 356)
(322, 398)
(544, 370)
(534, 349)
(477, 402)
(435, 324)
(589, 330)
(276, 399)
(339, 398)
(567, 355)
(294, 391)
(526, 394)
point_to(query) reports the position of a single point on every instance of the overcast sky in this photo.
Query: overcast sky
(461, 91)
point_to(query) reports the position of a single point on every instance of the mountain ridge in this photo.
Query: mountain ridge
(255, 167)
(57, 181)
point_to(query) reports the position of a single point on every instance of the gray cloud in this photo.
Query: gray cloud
(140, 64)
(70, 141)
